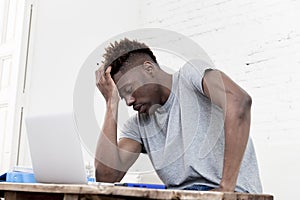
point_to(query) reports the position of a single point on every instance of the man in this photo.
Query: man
(194, 124)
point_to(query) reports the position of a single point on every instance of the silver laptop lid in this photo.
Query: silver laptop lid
(55, 149)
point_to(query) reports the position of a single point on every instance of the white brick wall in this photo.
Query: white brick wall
(257, 43)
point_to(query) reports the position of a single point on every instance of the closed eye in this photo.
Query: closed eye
(128, 89)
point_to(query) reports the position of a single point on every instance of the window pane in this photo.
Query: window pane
(2, 17)
(5, 69)
(11, 20)
(3, 119)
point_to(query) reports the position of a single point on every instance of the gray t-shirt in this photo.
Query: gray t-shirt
(185, 137)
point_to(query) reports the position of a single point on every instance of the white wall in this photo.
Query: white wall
(257, 43)
(65, 32)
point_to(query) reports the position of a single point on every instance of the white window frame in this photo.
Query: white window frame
(19, 48)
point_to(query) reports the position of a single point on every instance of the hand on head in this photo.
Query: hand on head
(106, 84)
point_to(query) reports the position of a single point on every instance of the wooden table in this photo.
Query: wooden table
(14, 191)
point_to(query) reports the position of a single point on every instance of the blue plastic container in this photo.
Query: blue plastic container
(20, 177)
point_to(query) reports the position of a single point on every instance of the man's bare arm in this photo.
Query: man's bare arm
(236, 105)
(112, 159)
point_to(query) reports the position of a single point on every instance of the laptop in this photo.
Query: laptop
(56, 152)
(55, 149)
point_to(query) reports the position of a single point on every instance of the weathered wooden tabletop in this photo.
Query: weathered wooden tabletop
(22, 191)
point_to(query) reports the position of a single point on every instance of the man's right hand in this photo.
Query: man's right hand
(106, 85)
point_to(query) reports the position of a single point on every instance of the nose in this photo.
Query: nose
(129, 100)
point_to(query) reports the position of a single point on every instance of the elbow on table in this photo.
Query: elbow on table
(106, 174)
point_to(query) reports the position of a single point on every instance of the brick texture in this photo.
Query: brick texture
(257, 43)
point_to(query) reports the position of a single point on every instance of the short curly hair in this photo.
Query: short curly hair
(126, 53)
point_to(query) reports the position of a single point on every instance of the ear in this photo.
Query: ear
(148, 67)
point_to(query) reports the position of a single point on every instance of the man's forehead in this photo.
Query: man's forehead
(123, 78)
(120, 79)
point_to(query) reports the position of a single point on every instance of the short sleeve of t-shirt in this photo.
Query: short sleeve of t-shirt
(130, 130)
(194, 72)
